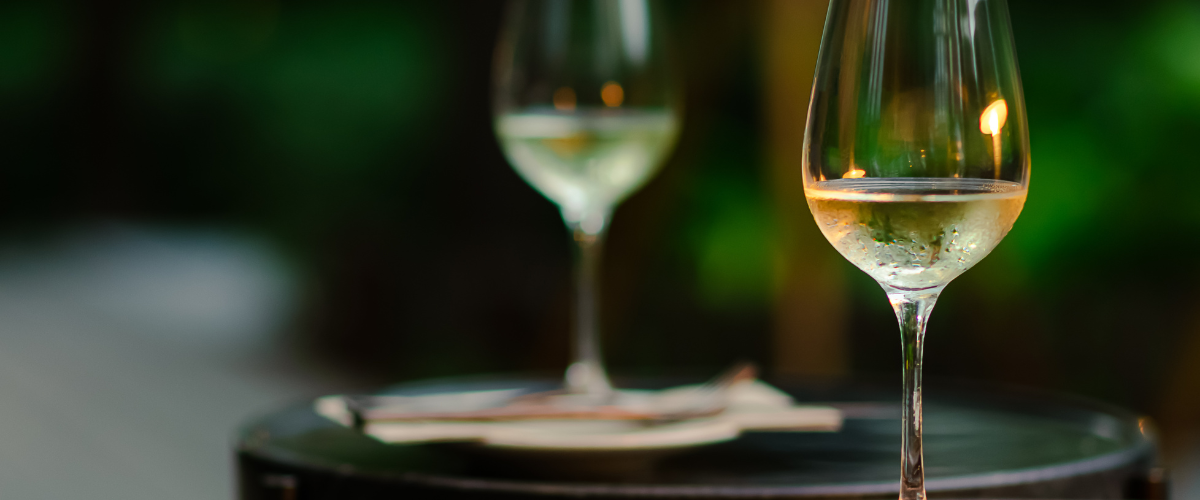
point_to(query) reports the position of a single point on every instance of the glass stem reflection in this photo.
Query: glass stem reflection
(912, 311)
(586, 374)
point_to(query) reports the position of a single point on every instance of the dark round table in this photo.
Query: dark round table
(980, 442)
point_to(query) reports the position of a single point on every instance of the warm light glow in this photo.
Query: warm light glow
(564, 99)
(991, 122)
(854, 173)
(993, 117)
(612, 94)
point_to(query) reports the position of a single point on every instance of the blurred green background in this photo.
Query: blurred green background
(355, 137)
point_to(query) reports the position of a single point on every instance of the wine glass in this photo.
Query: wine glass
(916, 156)
(585, 110)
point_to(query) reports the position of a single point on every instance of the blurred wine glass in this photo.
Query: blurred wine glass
(586, 110)
(916, 156)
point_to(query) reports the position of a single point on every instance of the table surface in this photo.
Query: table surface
(974, 438)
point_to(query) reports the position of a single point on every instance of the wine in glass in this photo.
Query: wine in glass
(916, 157)
(586, 112)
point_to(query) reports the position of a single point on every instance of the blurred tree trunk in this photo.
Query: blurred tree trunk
(1179, 413)
(810, 306)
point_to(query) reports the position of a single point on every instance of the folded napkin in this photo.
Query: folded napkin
(626, 419)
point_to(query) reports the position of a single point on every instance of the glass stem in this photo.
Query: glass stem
(912, 310)
(586, 373)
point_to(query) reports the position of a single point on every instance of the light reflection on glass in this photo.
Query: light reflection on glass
(854, 173)
(635, 32)
(993, 117)
(991, 122)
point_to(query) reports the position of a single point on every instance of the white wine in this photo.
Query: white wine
(915, 233)
(586, 160)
